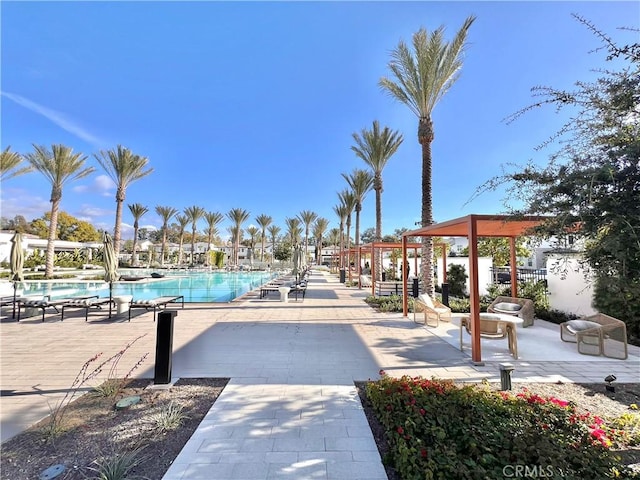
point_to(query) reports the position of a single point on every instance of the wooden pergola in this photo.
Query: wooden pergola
(472, 227)
(382, 246)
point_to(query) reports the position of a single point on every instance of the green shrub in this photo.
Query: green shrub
(457, 279)
(391, 303)
(439, 430)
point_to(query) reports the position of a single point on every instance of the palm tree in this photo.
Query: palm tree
(422, 77)
(376, 147)
(165, 213)
(361, 182)
(59, 166)
(341, 211)
(263, 221)
(293, 230)
(307, 217)
(212, 219)
(10, 165)
(348, 201)
(253, 235)
(194, 213)
(274, 231)
(183, 221)
(124, 168)
(137, 210)
(319, 228)
(238, 216)
(334, 238)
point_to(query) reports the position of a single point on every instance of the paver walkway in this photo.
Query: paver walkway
(291, 409)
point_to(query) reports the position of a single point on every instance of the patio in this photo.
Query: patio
(539, 343)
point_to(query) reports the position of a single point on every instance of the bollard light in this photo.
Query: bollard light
(505, 376)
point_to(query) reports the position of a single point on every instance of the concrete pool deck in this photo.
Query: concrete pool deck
(290, 409)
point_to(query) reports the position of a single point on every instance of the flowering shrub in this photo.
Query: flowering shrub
(439, 430)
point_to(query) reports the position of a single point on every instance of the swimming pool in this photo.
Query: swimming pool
(196, 287)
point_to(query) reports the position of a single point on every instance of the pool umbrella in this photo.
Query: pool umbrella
(17, 261)
(110, 266)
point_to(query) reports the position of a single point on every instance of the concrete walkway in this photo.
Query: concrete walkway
(291, 409)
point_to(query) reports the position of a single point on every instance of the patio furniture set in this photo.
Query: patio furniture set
(597, 334)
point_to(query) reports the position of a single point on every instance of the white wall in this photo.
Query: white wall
(484, 271)
(572, 294)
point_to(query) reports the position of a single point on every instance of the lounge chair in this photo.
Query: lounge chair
(299, 288)
(519, 307)
(45, 303)
(597, 334)
(87, 304)
(155, 304)
(433, 310)
(365, 280)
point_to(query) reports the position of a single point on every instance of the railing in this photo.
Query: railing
(502, 275)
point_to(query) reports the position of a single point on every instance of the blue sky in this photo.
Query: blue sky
(253, 105)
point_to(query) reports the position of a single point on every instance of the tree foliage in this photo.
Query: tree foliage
(499, 250)
(592, 183)
(69, 228)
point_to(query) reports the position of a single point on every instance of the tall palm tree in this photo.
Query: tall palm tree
(376, 147)
(274, 231)
(10, 165)
(341, 212)
(361, 182)
(183, 221)
(307, 217)
(60, 166)
(252, 231)
(238, 216)
(212, 219)
(348, 200)
(166, 213)
(319, 228)
(422, 77)
(334, 238)
(137, 210)
(124, 167)
(263, 222)
(293, 230)
(194, 213)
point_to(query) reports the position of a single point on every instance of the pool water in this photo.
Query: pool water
(195, 287)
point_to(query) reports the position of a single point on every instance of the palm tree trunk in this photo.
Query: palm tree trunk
(193, 246)
(116, 229)
(425, 137)
(53, 227)
(357, 253)
(134, 256)
(348, 241)
(378, 259)
(164, 245)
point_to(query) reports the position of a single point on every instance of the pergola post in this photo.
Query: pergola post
(476, 352)
(405, 293)
(514, 267)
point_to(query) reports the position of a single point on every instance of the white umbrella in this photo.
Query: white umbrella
(110, 266)
(295, 259)
(16, 264)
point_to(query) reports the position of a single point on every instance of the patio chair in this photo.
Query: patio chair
(158, 303)
(87, 304)
(495, 330)
(519, 307)
(597, 334)
(433, 310)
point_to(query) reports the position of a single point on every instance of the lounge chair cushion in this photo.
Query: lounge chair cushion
(575, 326)
(81, 303)
(507, 307)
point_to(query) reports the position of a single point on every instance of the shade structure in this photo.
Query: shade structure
(473, 227)
(16, 264)
(110, 265)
